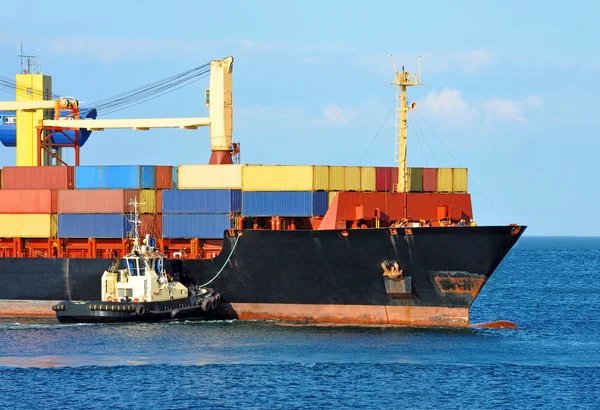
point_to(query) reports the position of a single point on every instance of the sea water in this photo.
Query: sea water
(549, 286)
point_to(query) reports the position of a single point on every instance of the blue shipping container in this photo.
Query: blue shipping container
(283, 203)
(204, 226)
(175, 176)
(93, 226)
(115, 177)
(201, 201)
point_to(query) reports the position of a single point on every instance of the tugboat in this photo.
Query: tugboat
(141, 292)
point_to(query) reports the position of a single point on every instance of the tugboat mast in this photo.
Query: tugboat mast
(401, 81)
(136, 222)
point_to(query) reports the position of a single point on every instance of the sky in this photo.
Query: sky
(510, 88)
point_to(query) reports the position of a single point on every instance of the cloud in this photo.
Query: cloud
(507, 109)
(448, 105)
(334, 114)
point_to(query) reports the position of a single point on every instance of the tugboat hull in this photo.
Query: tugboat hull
(98, 311)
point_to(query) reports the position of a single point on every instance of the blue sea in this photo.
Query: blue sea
(549, 286)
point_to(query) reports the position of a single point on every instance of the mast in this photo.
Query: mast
(136, 222)
(401, 81)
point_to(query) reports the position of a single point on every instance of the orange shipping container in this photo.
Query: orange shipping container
(159, 196)
(96, 201)
(27, 201)
(48, 177)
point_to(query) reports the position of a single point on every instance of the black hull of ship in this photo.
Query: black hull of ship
(328, 276)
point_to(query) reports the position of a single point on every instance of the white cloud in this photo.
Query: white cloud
(512, 110)
(448, 105)
(334, 114)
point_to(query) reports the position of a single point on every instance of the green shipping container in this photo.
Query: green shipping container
(415, 179)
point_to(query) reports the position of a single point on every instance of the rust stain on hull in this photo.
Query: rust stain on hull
(324, 314)
(27, 308)
(350, 314)
(449, 284)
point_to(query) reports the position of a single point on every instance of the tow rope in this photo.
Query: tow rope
(225, 264)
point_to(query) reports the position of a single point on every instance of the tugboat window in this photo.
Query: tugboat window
(133, 268)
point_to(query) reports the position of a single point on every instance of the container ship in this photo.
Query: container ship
(319, 243)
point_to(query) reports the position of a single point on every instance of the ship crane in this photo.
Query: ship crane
(218, 98)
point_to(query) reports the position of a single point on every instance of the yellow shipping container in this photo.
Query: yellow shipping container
(367, 179)
(352, 179)
(210, 176)
(331, 196)
(321, 178)
(461, 180)
(277, 178)
(28, 225)
(445, 177)
(148, 201)
(337, 177)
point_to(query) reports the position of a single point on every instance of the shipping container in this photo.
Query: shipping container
(159, 196)
(445, 179)
(337, 178)
(27, 201)
(93, 226)
(115, 177)
(175, 177)
(281, 203)
(352, 179)
(368, 179)
(461, 180)
(277, 178)
(227, 176)
(321, 178)
(151, 224)
(27, 225)
(430, 179)
(96, 201)
(147, 201)
(424, 206)
(203, 226)
(415, 179)
(201, 201)
(331, 196)
(164, 176)
(386, 179)
(48, 177)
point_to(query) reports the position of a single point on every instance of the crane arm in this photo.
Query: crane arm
(136, 124)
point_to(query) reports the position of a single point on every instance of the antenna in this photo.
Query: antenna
(135, 222)
(29, 61)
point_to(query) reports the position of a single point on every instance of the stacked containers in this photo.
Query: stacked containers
(28, 200)
(95, 213)
(27, 213)
(199, 213)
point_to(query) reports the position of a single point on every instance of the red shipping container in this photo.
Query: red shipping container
(151, 224)
(430, 179)
(95, 201)
(129, 195)
(386, 179)
(164, 176)
(27, 201)
(48, 177)
(159, 196)
(425, 206)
